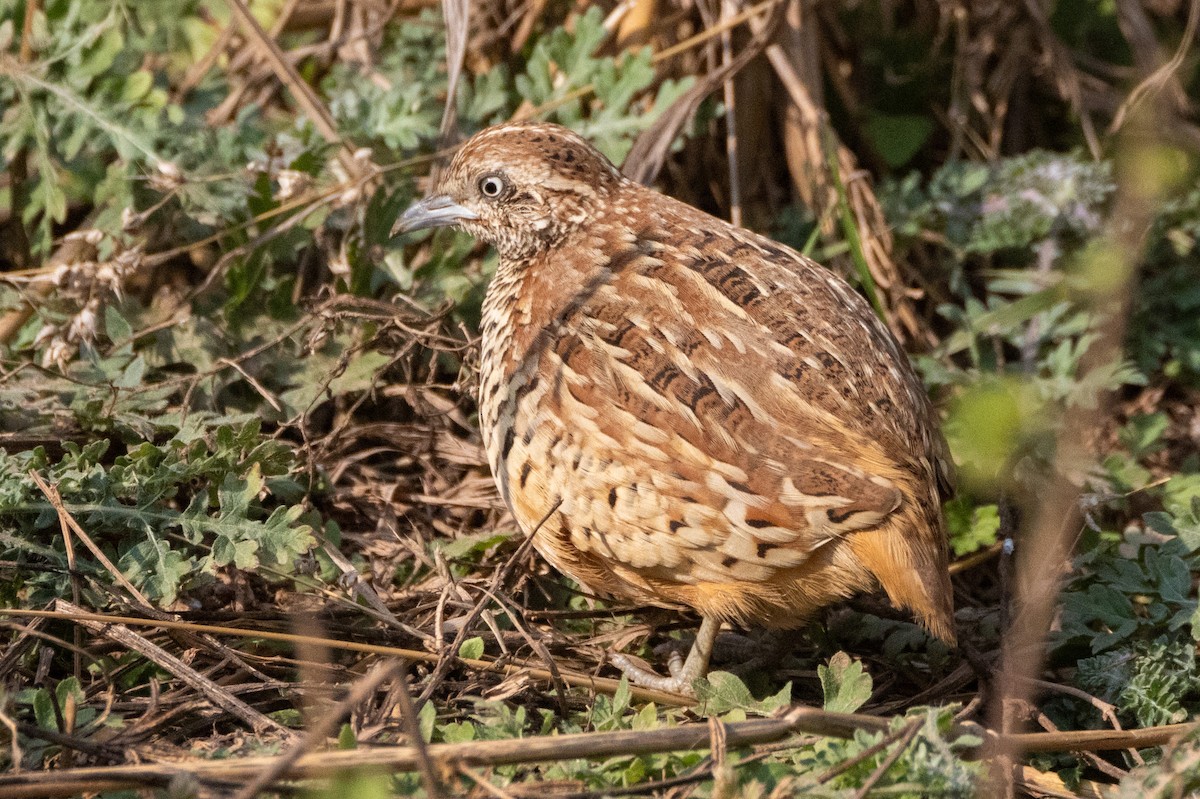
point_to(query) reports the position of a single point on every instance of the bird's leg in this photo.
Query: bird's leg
(683, 672)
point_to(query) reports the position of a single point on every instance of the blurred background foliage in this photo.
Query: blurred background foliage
(249, 397)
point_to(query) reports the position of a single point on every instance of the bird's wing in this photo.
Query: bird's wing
(747, 456)
(823, 337)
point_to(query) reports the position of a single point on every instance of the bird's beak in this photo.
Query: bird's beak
(436, 210)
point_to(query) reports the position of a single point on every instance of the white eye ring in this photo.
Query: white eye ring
(491, 186)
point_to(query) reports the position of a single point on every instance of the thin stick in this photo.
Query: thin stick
(14, 741)
(1070, 741)
(412, 726)
(69, 546)
(1044, 552)
(864, 755)
(728, 11)
(687, 737)
(1157, 80)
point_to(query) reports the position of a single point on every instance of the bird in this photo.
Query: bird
(687, 414)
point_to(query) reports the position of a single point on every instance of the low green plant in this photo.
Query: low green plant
(170, 514)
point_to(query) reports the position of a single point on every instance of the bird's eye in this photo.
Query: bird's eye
(491, 186)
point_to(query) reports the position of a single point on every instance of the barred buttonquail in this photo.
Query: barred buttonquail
(684, 413)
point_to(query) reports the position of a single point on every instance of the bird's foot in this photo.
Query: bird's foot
(683, 672)
(680, 681)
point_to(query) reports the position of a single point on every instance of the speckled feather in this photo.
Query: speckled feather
(695, 414)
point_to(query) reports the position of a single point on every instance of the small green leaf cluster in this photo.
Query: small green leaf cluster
(1131, 612)
(1012, 204)
(562, 63)
(608, 98)
(170, 515)
(1164, 331)
(86, 103)
(1020, 238)
(1149, 682)
(1027, 217)
(1015, 239)
(931, 765)
(1147, 588)
(47, 703)
(402, 106)
(971, 527)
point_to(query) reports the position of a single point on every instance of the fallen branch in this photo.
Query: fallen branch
(686, 737)
(473, 753)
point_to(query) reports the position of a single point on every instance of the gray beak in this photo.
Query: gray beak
(436, 210)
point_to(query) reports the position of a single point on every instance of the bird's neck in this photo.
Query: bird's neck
(523, 314)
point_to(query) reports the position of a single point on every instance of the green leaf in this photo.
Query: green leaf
(845, 684)
(236, 494)
(457, 732)
(282, 539)
(360, 373)
(115, 326)
(138, 85)
(898, 137)
(1143, 433)
(1163, 675)
(471, 649)
(1160, 522)
(129, 140)
(43, 710)
(473, 545)
(133, 374)
(159, 570)
(721, 692)
(346, 739)
(101, 52)
(288, 716)
(1104, 675)
(1100, 614)
(1180, 492)
(971, 527)
(646, 718)
(242, 554)
(426, 718)
(987, 424)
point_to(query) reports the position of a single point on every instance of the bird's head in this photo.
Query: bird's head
(520, 187)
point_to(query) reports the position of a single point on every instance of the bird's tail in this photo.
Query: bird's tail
(907, 554)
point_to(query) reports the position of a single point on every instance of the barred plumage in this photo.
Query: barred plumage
(700, 415)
